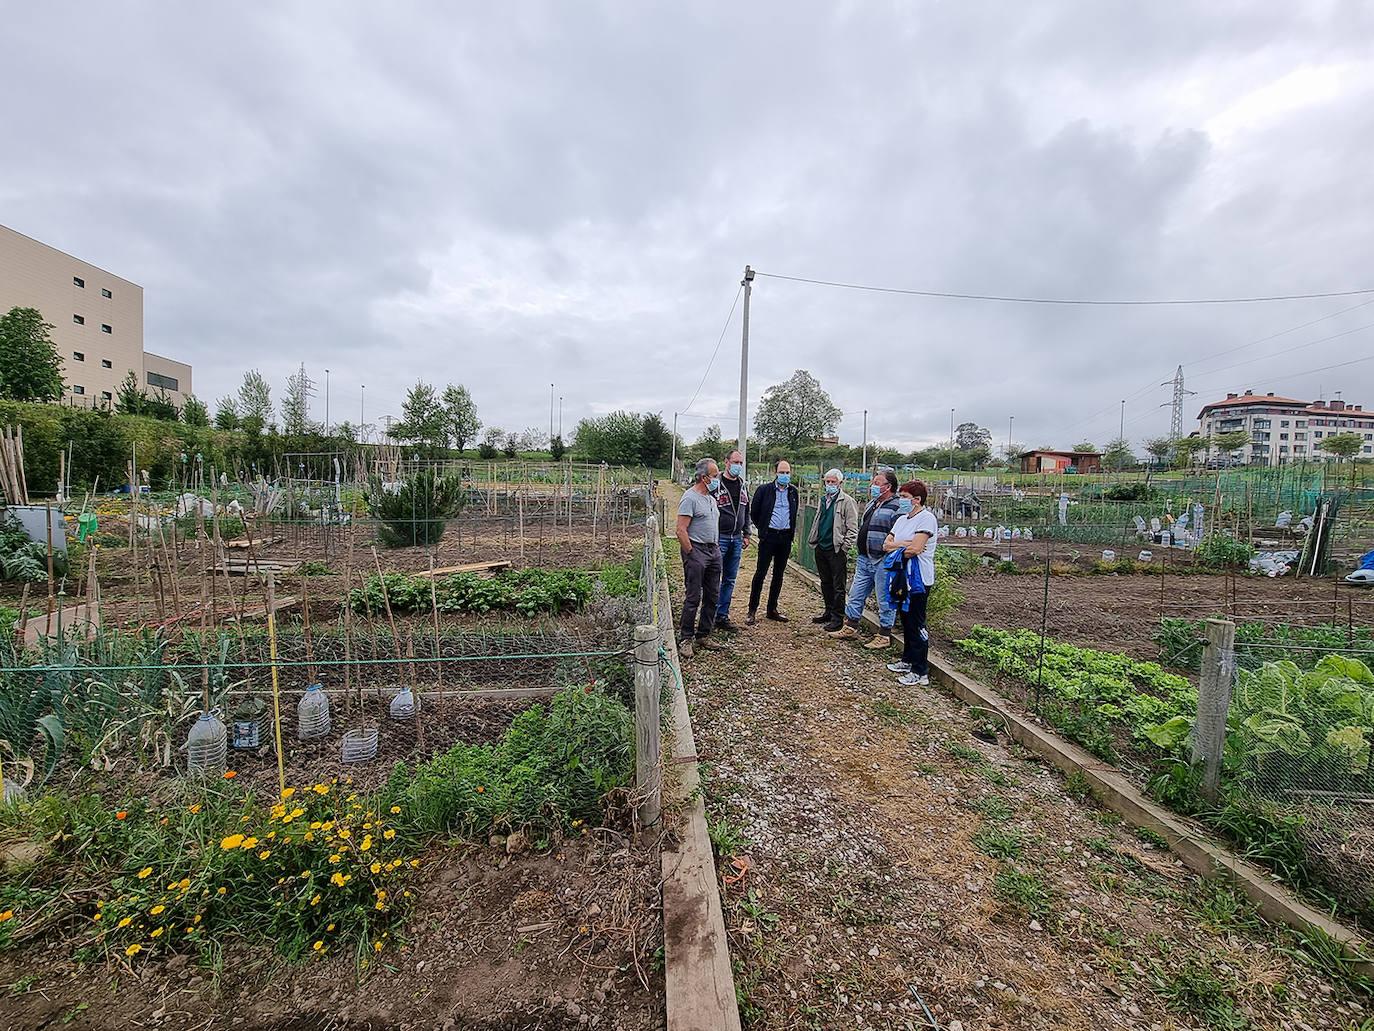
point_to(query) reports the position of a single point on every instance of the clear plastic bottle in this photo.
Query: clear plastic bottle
(313, 713)
(248, 722)
(206, 746)
(404, 705)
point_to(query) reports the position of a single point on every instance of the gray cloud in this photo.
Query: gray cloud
(569, 193)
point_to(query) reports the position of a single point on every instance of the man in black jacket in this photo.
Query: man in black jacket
(735, 531)
(774, 514)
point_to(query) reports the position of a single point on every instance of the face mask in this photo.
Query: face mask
(903, 504)
(714, 485)
(876, 491)
(784, 479)
(832, 488)
(736, 470)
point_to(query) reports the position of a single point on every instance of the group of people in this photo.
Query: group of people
(892, 538)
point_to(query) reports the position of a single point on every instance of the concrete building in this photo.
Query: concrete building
(97, 320)
(1283, 430)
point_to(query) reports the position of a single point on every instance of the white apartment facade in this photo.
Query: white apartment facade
(97, 320)
(1284, 430)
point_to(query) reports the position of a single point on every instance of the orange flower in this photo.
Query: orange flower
(230, 774)
(121, 814)
(481, 789)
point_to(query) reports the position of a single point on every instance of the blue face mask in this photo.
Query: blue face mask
(832, 488)
(714, 485)
(903, 504)
(876, 491)
(784, 479)
(736, 470)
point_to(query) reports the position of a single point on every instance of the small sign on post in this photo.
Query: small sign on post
(1213, 702)
(648, 743)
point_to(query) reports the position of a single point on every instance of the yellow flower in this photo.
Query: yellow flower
(330, 927)
(143, 874)
(7, 915)
(155, 932)
(96, 917)
(223, 890)
(133, 950)
(315, 901)
(395, 809)
(335, 858)
(184, 883)
(197, 919)
(414, 862)
(264, 853)
(309, 836)
(156, 910)
(337, 878)
(376, 867)
(315, 825)
(233, 841)
(305, 873)
(195, 808)
(367, 844)
(380, 894)
(248, 843)
(318, 946)
(388, 834)
(123, 923)
(345, 833)
(321, 789)
(379, 905)
(287, 792)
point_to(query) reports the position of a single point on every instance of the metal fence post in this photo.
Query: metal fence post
(648, 746)
(1213, 702)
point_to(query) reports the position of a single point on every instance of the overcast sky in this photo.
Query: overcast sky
(510, 195)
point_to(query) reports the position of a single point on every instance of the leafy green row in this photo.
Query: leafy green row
(1178, 642)
(528, 591)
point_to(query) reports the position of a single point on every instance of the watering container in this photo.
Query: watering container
(313, 713)
(403, 706)
(205, 748)
(248, 723)
(1108, 555)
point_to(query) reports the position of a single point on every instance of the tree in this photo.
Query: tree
(30, 367)
(423, 424)
(1344, 445)
(460, 415)
(295, 403)
(161, 406)
(655, 442)
(1160, 449)
(194, 412)
(614, 438)
(226, 414)
(1231, 441)
(510, 446)
(1012, 452)
(969, 436)
(491, 440)
(708, 445)
(556, 448)
(1085, 447)
(255, 403)
(1118, 454)
(129, 399)
(794, 413)
(1186, 448)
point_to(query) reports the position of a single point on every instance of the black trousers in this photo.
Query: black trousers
(774, 547)
(701, 576)
(914, 635)
(833, 568)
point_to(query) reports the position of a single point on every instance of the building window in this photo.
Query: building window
(156, 379)
(1301, 424)
(1283, 448)
(1299, 447)
(78, 281)
(1300, 436)
(79, 356)
(78, 389)
(105, 363)
(105, 293)
(1261, 424)
(1317, 434)
(79, 320)
(105, 395)
(105, 328)
(1283, 436)
(1283, 422)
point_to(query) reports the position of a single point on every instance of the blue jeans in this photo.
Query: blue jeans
(731, 549)
(869, 575)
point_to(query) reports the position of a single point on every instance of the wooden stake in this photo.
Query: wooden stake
(276, 687)
(19, 463)
(47, 508)
(438, 655)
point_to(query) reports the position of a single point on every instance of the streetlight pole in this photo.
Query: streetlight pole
(951, 445)
(362, 407)
(1121, 436)
(550, 414)
(748, 285)
(865, 469)
(672, 462)
(560, 415)
(326, 402)
(1009, 444)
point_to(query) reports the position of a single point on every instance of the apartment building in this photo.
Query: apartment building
(97, 320)
(1284, 430)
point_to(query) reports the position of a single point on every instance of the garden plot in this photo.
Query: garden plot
(887, 854)
(490, 879)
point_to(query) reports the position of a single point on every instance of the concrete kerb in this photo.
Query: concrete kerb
(698, 979)
(1118, 793)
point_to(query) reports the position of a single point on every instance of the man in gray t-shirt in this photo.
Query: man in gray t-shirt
(698, 530)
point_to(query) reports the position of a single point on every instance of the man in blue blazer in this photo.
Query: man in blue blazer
(774, 515)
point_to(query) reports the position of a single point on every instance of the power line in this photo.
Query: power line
(1067, 300)
(716, 351)
(1274, 336)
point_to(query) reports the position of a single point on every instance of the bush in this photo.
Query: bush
(1136, 491)
(414, 512)
(23, 559)
(1221, 551)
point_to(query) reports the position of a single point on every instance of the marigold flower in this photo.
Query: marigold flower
(143, 874)
(121, 814)
(388, 834)
(376, 867)
(6, 915)
(156, 910)
(315, 901)
(248, 843)
(195, 808)
(233, 841)
(287, 792)
(230, 774)
(318, 946)
(395, 809)
(155, 932)
(377, 946)
(480, 789)
(126, 921)
(133, 950)
(264, 853)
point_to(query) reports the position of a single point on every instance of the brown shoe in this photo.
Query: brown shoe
(845, 633)
(709, 644)
(778, 617)
(684, 648)
(750, 619)
(880, 641)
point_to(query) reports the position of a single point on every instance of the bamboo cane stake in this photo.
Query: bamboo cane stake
(47, 508)
(438, 655)
(309, 644)
(19, 464)
(276, 686)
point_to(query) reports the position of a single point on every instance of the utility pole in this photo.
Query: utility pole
(1121, 437)
(362, 408)
(748, 285)
(1176, 420)
(560, 415)
(326, 402)
(951, 445)
(1009, 445)
(550, 414)
(865, 470)
(672, 462)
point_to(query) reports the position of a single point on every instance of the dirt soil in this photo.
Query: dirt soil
(563, 938)
(891, 859)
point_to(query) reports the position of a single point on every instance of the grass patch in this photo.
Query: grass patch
(964, 752)
(999, 842)
(1195, 991)
(728, 837)
(1026, 892)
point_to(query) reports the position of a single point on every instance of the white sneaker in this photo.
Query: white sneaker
(899, 667)
(914, 680)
